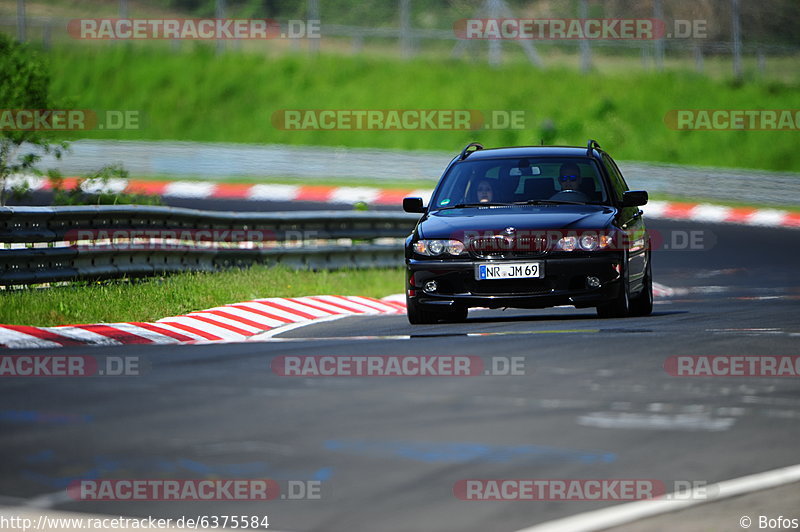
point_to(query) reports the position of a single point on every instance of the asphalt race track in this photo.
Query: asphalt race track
(594, 402)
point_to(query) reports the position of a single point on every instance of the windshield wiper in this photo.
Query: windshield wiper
(484, 204)
(549, 202)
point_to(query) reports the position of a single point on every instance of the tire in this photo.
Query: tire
(642, 305)
(417, 316)
(619, 307)
(457, 316)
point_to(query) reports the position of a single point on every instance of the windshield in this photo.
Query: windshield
(521, 180)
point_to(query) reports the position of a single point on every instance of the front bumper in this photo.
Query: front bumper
(564, 283)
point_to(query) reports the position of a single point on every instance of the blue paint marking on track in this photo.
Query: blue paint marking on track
(32, 416)
(41, 457)
(103, 466)
(458, 452)
(322, 474)
(59, 482)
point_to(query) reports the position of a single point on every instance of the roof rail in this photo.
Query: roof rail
(466, 151)
(591, 145)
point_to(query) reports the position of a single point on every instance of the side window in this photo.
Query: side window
(617, 182)
(619, 173)
(454, 187)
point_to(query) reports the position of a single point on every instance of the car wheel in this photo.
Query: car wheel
(642, 305)
(619, 307)
(415, 315)
(457, 316)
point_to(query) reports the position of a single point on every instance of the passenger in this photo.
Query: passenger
(484, 191)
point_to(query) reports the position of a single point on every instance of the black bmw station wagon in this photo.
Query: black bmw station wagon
(529, 227)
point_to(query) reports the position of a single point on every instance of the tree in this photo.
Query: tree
(24, 84)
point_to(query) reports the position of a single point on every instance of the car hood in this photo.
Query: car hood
(447, 222)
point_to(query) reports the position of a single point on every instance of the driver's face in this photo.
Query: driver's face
(569, 178)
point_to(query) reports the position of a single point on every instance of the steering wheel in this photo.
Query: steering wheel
(570, 195)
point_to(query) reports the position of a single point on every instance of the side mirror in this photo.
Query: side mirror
(413, 205)
(634, 198)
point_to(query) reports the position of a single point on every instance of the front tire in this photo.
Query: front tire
(619, 307)
(642, 305)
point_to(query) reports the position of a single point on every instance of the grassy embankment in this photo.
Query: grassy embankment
(199, 96)
(153, 299)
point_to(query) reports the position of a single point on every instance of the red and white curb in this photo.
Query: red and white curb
(237, 191)
(704, 212)
(228, 323)
(659, 290)
(697, 212)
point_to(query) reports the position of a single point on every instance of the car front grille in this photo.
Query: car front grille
(507, 247)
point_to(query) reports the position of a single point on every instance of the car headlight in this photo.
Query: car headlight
(585, 242)
(567, 243)
(434, 248)
(588, 242)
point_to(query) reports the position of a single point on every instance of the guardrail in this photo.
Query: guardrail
(51, 244)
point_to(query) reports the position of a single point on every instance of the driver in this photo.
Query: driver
(569, 177)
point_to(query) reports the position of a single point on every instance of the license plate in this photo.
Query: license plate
(514, 270)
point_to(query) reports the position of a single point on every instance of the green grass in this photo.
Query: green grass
(199, 96)
(156, 298)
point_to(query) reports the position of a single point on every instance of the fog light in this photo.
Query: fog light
(431, 286)
(593, 282)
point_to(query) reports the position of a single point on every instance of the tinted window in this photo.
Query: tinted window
(619, 173)
(617, 181)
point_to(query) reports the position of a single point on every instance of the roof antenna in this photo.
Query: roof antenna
(541, 141)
